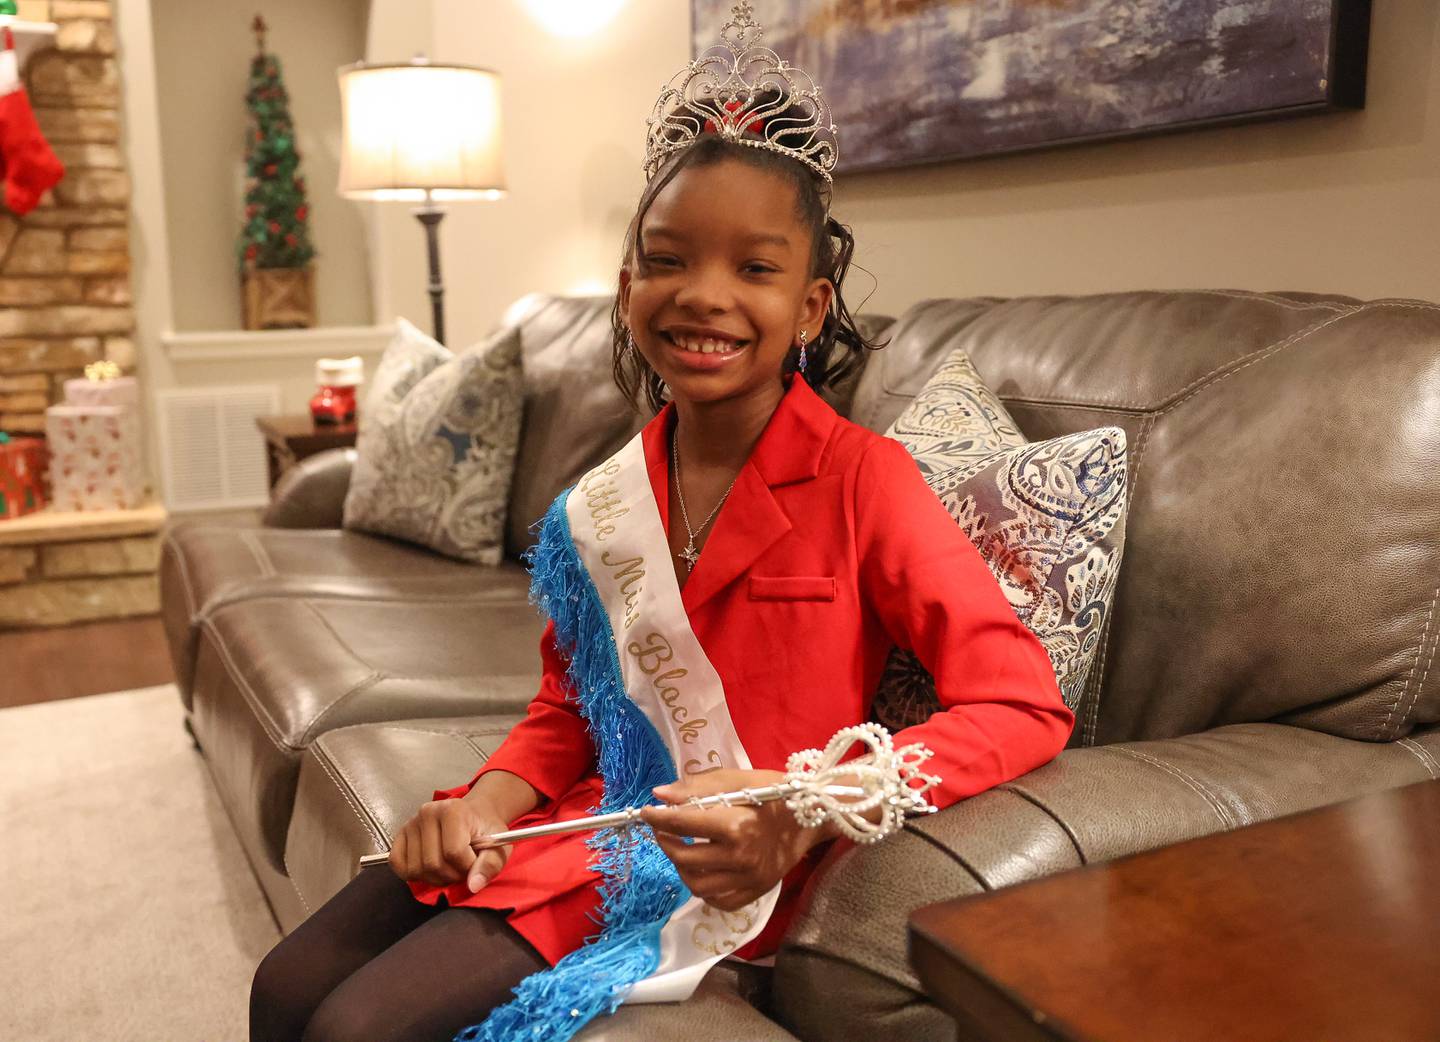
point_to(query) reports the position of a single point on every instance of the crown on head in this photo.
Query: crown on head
(745, 93)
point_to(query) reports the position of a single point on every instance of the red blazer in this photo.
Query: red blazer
(830, 549)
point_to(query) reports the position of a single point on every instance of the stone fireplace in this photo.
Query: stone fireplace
(65, 301)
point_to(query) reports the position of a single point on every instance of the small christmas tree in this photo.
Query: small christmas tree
(276, 233)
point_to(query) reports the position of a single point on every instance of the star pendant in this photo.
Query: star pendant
(690, 554)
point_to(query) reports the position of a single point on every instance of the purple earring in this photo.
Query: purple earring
(803, 335)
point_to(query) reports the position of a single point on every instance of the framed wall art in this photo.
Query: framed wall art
(921, 81)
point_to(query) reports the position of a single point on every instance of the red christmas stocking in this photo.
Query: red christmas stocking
(29, 167)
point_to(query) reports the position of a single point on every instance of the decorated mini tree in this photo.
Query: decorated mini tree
(274, 248)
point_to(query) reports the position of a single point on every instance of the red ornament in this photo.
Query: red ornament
(301, 212)
(274, 227)
(290, 239)
(270, 169)
(251, 210)
(250, 251)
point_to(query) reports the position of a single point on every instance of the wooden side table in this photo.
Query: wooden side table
(1319, 927)
(289, 439)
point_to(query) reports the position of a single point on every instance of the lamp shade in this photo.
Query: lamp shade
(408, 129)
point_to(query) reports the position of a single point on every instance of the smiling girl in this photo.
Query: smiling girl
(721, 593)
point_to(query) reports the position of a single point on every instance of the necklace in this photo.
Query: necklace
(690, 553)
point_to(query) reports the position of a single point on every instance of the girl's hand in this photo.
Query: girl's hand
(742, 851)
(434, 846)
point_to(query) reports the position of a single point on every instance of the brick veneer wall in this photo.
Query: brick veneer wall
(65, 302)
(65, 267)
(78, 579)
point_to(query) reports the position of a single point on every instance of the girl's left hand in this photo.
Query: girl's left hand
(742, 851)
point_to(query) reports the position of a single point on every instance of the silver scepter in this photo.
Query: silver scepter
(883, 779)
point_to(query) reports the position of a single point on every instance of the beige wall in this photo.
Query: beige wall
(574, 112)
(203, 53)
(397, 31)
(1346, 203)
(164, 231)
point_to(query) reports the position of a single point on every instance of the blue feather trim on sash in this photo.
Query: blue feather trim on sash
(640, 888)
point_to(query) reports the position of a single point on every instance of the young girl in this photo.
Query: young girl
(722, 592)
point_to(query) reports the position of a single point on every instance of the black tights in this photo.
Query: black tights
(375, 965)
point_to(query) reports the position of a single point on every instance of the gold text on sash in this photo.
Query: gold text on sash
(651, 656)
(722, 938)
(629, 574)
(602, 498)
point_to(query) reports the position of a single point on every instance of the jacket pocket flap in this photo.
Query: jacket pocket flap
(792, 587)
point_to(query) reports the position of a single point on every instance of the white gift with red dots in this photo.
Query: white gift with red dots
(96, 453)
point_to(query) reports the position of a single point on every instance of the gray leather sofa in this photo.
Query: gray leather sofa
(1270, 649)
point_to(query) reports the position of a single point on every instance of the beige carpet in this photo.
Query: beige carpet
(127, 911)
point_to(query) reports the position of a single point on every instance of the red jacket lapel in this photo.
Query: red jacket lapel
(751, 521)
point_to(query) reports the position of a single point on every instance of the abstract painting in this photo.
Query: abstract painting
(917, 81)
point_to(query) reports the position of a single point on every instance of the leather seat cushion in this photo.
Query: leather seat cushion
(274, 673)
(359, 785)
(204, 567)
(1086, 807)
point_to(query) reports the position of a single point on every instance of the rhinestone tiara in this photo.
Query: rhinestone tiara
(745, 93)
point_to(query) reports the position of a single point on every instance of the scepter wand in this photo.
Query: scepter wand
(884, 779)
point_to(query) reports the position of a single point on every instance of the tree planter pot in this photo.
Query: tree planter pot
(279, 298)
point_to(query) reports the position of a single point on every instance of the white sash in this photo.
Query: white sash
(615, 525)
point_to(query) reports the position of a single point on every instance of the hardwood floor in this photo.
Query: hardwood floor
(91, 658)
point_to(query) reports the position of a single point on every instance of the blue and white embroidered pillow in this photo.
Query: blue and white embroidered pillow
(410, 356)
(955, 419)
(438, 438)
(1049, 519)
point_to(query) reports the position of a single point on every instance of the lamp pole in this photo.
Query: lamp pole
(430, 216)
(388, 153)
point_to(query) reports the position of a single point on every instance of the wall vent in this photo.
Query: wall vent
(212, 454)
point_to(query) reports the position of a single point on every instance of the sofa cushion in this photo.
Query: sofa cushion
(274, 673)
(204, 567)
(1049, 520)
(721, 1010)
(410, 356)
(575, 416)
(1086, 807)
(359, 785)
(1265, 432)
(955, 420)
(436, 454)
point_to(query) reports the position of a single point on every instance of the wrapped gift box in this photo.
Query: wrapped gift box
(22, 476)
(96, 459)
(122, 391)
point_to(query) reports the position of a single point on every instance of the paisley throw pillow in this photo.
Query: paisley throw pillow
(955, 419)
(437, 444)
(409, 357)
(1049, 519)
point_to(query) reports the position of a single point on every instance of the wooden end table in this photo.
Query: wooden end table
(289, 439)
(1318, 927)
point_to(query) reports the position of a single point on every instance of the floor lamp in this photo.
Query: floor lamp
(424, 133)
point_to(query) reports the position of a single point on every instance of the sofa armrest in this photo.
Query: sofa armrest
(311, 494)
(1087, 806)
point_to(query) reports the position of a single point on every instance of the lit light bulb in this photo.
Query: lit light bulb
(574, 18)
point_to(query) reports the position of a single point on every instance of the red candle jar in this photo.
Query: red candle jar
(337, 378)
